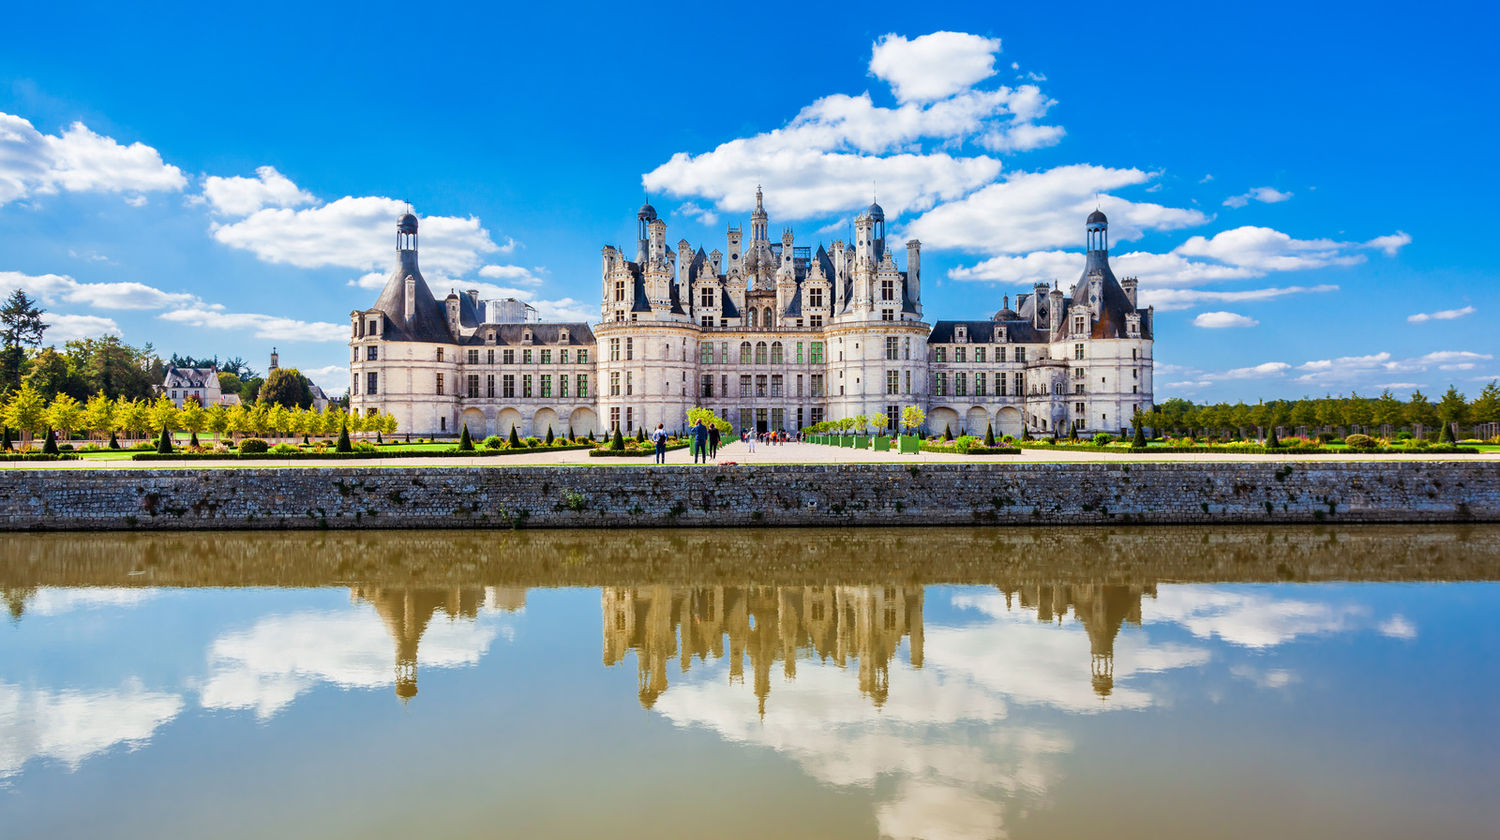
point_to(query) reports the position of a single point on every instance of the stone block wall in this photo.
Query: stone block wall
(796, 495)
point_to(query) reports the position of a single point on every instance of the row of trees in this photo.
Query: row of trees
(912, 418)
(28, 412)
(1383, 416)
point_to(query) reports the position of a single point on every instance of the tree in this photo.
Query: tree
(465, 443)
(1389, 412)
(912, 417)
(550, 438)
(1453, 410)
(250, 389)
(50, 374)
(237, 367)
(861, 422)
(879, 421)
(107, 364)
(134, 416)
(948, 432)
(99, 414)
(26, 412)
(164, 414)
(1139, 422)
(21, 326)
(616, 444)
(345, 446)
(193, 417)
(1419, 412)
(287, 387)
(1486, 406)
(217, 419)
(229, 383)
(515, 439)
(238, 421)
(989, 435)
(65, 414)
(164, 442)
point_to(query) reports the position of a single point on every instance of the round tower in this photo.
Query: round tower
(406, 232)
(1097, 231)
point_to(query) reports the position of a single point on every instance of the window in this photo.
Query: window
(979, 385)
(776, 385)
(473, 357)
(887, 315)
(1020, 384)
(751, 319)
(979, 354)
(940, 354)
(1077, 373)
(1133, 353)
(1078, 351)
(562, 357)
(371, 353)
(745, 351)
(614, 383)
(799, 384)
(706, 385)
(508, 357)
(440, 356)
(960, 385)
(473, 384)
(815, 385)
(562, 385)
(620, 288)
(490, 356)
(526, 357)
(614, 349)
(583, 357)
(745, 385)
(1078, 389)
(629, 419)
(999, 354)
(629, 383)
(892, 381)
(778, 418)
(908, 382)
(766, 318)
(760, 385)
(583, 385)
(960, 354)
(815, 321)
(706, 352)
(526, 386)
(489, 386)
(817, 352)
(1135, 373)
(999, 384)
(776, 353)
(614, 418)
(1020, 354)
(887, 289)
(440, 383)
(814, 297)
(760, 352)
(546, 357)
(508, 385)
(939, 384)
(706, 297)
(546, 385)
(371, 380)
(373, 327)
(799, 352)
(1078, 407)
(892, 347)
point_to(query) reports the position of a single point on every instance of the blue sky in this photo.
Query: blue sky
(1301, 188)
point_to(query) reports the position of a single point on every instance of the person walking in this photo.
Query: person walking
(659, 437)
(750, 440)
(713, 441)
(699, 433)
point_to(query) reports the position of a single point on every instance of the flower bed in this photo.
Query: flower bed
(1227, 449)
(311, 456)
(633, 452)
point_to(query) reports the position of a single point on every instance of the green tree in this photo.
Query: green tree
(65, 414)
(164, 414)
(250, 389)
(1388, 412)
(108, 364)
(134, 418)
(99, 415)
(1486, 406)
(229, 383)
(288, 387)
(1420, 413)
(26, 412)
(465, 443)
(912, 417)
(217, 419)
(193, 417)
(21, 326)
(1453, 409)
(345, 446)
(238, 421)
(50, 374)
(879, 421)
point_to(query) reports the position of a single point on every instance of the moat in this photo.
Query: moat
(1293, 681)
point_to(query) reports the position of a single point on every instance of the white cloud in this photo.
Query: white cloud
(1442, 315)
(63, 327)
(1390, 243)
(1221, 320)
(1260, 371)
(1265, 249)
(513, 274)
(77, 160)
(60, 600)
(356, 232)
(1030, 211)
(332, 379)
(239, 196)
(72, 726)
(371, 280)
(1166, 300)
(933, 66)
(1246, 618)
(702, 214)
(1398, 627)
(271, 327)
(1265, 195)
(55, 289)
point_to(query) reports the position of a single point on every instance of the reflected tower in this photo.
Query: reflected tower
(407, 612)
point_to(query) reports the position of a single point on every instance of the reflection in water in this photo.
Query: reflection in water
(950, 692)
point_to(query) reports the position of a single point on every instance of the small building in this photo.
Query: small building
(181, 384)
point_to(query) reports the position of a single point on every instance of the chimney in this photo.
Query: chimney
(1129, 284)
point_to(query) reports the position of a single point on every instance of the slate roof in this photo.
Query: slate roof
(983, 332)
(542, 335)
(428, 321)
(191, 377)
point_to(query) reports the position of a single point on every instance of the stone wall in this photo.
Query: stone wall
(809, 495)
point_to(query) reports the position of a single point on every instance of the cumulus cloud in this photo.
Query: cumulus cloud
(73, 726)
(933, 66)
(331, 378)
(271, 327)
(1221, 320)
(1265, 195)
(1166, 300)
(58, 289)
(1398, 626)
(513, 274)
(1266, 249)
(1247, 619)
(692, 211)
(1357, 371)
(1441, 315)
(77, 160)
(1390, 243)
(63, 327)
(355, 232)
(240, 196)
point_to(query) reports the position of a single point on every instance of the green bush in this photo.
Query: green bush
(1360, 442)
(1102, 439)
(617, 444)
(285, 449)
(253, 446)
(533, 442)
(515, 439)
(164, 443)
(465, 443)
(343, 440)
(366, 446)
(493, 442)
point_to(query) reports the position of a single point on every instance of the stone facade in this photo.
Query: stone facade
(811, 495)
(770, 335)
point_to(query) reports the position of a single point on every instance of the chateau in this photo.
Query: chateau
(770, 335)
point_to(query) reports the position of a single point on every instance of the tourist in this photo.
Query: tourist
(699, 434)
(713, 441)
(750, 440)
(659, 437)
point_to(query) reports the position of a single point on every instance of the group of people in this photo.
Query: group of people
(705, 438)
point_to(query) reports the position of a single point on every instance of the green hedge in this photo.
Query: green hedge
(36, 456)
(1251, 450)
(634, 453)
(310, 456)
(973, 450)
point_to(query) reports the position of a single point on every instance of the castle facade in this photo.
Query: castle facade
(770, 335)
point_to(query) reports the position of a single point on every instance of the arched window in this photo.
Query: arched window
(760, 352)
(776, 355)
(767, 321)
(744, 352)
(751, 316)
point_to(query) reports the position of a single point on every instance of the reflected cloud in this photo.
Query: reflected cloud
(71, 726)
(53, 600)
(1249, 618)
(1398, 626)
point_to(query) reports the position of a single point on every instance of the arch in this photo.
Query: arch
(1008, 421)
(507, 418)
(750, 315)
(744, 352)
(583, 420)
(474, 419)
(767, 320)
(976, 421)
(777, 356)
(760, 352)
(943, 418)
(543, 419)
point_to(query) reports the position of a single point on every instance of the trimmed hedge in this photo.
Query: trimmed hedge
(313, 456)
(641, 452)
(1436, 449)
(36, 456)
(973, 450)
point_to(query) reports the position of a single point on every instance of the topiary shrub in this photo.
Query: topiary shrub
(193, 441)
(550, 438)
(989, 435)
(1447, 436)
(5, 443)
(493, 442)
(618, 443)
(1271, 440)
(1139, 441)
(465, 443)
(515, 439)
(1102, 439)
(164, 443)
(253, 446)
(1360, 442)
(50, 446)
(344, 445)
(947, 432)
(1072, 431)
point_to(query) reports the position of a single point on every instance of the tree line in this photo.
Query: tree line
(1334, 416)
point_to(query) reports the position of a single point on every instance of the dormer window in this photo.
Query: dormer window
(1080, 324)
(490, 338)
(999, 336)
(961, 333)
(526, 337)
(562, 335)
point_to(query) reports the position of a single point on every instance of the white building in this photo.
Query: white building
(181, 384)
(770, 335)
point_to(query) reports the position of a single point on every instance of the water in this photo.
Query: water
(1212, 682)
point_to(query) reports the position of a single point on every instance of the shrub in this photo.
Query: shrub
(366, 446)
(344, 440)
(164, 443)
(550, 438)
(493, 442)
(947, 432)
(1359, 442)
(141, 447)
(284, 449)
(615, 445)
(989, 435)
(114, 442)
(532, 442)
(50, 446)
(515, 439)
(465, 443)
(253, 446)
(1139, 442)
(1102, 439)
(65, 447)
(964, 443)
(1271, 441)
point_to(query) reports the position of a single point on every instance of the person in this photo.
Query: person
(713, 441)
(750, 439)
(699, 434)
(659, 437)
